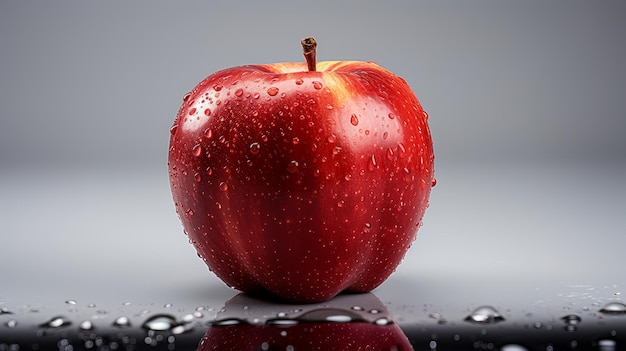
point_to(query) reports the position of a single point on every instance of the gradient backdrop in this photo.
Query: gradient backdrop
(528, 114)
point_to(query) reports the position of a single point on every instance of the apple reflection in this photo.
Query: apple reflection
(347, 322)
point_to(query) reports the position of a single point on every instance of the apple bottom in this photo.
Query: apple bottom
(306, 336)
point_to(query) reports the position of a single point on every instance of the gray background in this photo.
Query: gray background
(528, 114)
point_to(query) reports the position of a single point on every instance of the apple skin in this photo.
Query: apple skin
(301, 183)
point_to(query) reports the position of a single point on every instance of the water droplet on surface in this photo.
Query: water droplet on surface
(223, 186)
(197, 150)
(189, 212)
(227, 322)
(391, 116)
(354, 120)
(292, 167)
(299, 81)
(255, 148)
(86, 325)
(607, 345)
(160, 322)
(614, 307)
(485, 315)
(425, 115)
(217, 87)
(197, 177)
(282, 322)
(207, 112)
(11, 323)
(571, 319)
(329, 107)
(433, 182)
(513, 347)
(192, 111)
(239, 92)
(272, 91)
(121, 322)
(317, 85)
(5, 310)
(383, 321)
(56, 322)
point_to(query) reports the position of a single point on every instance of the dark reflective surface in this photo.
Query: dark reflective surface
(347, 322)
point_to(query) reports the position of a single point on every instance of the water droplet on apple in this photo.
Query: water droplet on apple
(336, 150)
(56, 322)
(317, 85)
(256, 95)
(160, 322)
(272, 91)
(223, 186)
(433, 182)
(366, 229)
(207, 112)
(485, 315)
(406, 175)
(332, 138)
(186, 97)
(239, 92)
(189, 212)
(401, 150)
(295, 140)
(197, 150)
(390, 154)
(255, 148)
(329, 107)
(174, 129)
(217, 87)
(208, 133)
(192, 111)
(197, 177)
(354, 120)
(292, 167)
(299, 81)
(340, 203)
(391, 116)
(614, 307)
(121, 322)
(71, 302)
(371, 163)
(425, 115)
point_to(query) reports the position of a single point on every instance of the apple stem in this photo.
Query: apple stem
(309, 46)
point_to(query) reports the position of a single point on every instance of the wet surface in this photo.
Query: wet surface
(493, 268)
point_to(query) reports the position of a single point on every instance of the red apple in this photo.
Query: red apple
(301, 179)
